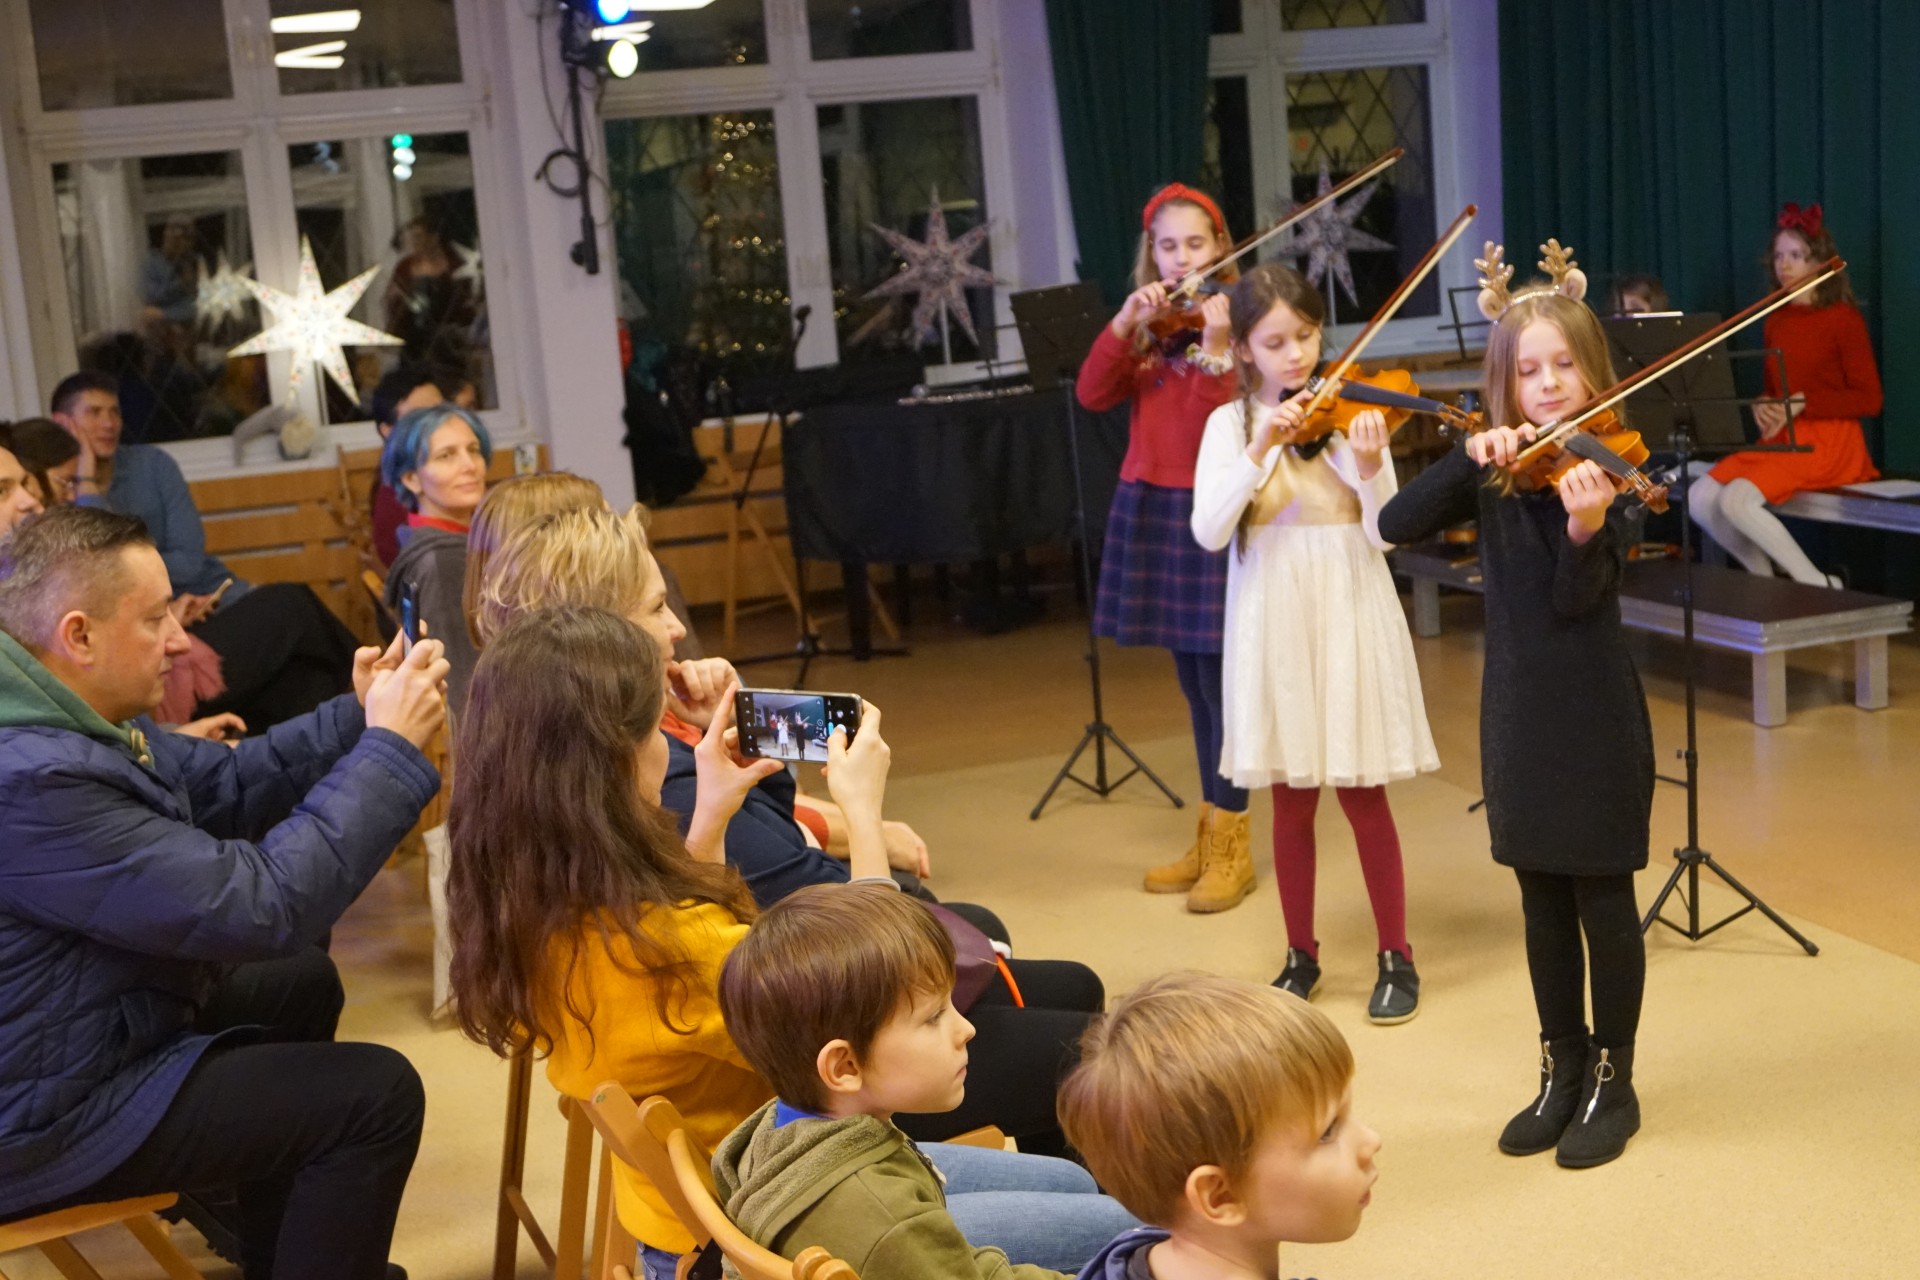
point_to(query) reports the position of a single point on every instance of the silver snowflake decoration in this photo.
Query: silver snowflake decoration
(223, 293)
(1326, 236)
(939, 270)
(313, 324)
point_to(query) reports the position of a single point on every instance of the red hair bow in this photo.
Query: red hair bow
(1180, 191)
(1794, 218)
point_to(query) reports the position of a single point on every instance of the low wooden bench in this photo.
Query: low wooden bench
(1765, 618)
(1838, 506)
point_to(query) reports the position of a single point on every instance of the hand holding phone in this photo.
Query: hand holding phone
(787, 724)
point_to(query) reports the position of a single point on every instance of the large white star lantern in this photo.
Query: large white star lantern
(469, 269)
(939, 270)
(223, 293)
(313, 324)
(1326, 236)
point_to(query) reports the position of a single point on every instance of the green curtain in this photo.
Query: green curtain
(1131, 80)
(1664, 137)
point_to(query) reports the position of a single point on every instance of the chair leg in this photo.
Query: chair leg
(149, 1232)
(67, 1260)
(613, 1247)
(513, 1160)
(576, 1179)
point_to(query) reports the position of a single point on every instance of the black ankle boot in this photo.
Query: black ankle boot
(1609, 1111)
(1301, 975)
(1396, 993)
(1538, 1128)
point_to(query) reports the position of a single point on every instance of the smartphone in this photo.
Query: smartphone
(409, 618)
(788, 724)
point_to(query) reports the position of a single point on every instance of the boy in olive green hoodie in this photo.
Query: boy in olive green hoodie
(841, 997)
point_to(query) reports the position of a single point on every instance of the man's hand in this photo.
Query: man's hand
(369, 661)
(409, 698)
(721, 782)
(906, 851)
(225, 727)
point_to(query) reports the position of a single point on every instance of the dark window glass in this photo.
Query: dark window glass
(319, 48)
(878, 28)
(112, 53)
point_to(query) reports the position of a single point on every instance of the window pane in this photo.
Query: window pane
(1225, 16)
(701, 251)
(1301, 15)
(885, 163)
(1226, 157)
(143, 241)
(724, 33)
(354, 208)
(875, 28)
(1339, 120)
(321, 47)
(110, 53)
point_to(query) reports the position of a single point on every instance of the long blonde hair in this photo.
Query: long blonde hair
(588, 558)
(510, 506)
(1500, 374)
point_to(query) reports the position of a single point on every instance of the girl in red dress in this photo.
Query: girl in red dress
(1835, 383)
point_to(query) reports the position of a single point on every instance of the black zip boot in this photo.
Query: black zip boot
(1609, 1111)
(1301, 975)
(1538, 1128)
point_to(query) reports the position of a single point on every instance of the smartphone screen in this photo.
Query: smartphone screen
(409, 618)
(784, 724)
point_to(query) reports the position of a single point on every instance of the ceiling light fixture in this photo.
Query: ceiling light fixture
(325, 55)
(306, 24)
(634, 31)
(664, 6)
(623, 58)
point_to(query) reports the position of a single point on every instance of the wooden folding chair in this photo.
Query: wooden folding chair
(653, 1139)
(49, 1234)
(566, 1252)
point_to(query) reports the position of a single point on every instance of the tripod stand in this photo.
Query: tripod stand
(1057, 327)
(1674, 402)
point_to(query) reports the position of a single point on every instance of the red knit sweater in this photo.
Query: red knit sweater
(1829, 360)
(1171, 401)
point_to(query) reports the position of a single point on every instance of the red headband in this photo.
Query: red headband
(1793, 218)
(1180, 191)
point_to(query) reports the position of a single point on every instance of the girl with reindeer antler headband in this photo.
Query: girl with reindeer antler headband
(1835, 383)
(1566, 747)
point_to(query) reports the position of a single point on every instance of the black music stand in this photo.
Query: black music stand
(1697, 401)
(1058, 326)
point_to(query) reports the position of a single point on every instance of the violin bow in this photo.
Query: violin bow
(1395, 300)
(1678, 356)
(1191, 281)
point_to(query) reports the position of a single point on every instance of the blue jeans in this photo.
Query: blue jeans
(1037, 1209)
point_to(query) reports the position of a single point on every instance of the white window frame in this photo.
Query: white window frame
(1265, 54)
(793, 87)
(260, 123)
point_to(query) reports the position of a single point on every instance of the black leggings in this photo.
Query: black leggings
(1559, 909)
(1019, 1055)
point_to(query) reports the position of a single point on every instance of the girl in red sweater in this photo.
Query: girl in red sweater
(1157, 585)
(1831, 373)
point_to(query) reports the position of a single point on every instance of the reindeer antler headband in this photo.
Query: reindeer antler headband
(1495, 273)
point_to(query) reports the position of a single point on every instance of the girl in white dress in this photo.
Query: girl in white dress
(1320, 683)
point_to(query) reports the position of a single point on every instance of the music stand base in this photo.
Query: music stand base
(1688, 862)
(1099, 733)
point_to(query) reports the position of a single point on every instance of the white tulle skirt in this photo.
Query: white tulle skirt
(1321, 688)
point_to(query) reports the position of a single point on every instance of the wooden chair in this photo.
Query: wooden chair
(565, 1253)
(49, 1234)
(652, 1138)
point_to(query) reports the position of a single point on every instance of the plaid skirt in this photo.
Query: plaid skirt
(1157, 585)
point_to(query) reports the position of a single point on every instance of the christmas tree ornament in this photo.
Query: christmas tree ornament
(313, 324)
(1327, 235)
(223, 293)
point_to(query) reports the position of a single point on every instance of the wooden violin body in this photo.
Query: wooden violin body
(1602, 438)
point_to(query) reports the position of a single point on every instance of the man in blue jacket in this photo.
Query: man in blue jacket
(167, 1018)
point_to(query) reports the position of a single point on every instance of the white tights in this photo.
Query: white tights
(1736, 515)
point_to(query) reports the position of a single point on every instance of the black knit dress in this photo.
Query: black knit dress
(1566, 750)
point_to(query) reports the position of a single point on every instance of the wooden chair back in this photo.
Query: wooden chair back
(652, 1138)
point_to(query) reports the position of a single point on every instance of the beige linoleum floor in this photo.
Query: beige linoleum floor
(1781, 1109)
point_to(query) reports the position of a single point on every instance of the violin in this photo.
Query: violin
(1179, 324)
(1603, 438)
(1393, 391)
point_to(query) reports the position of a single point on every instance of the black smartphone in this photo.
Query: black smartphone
(788, 724)
(409, 618)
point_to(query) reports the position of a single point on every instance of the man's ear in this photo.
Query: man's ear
(73, 638)
(1209, 1196)
(839, 1067)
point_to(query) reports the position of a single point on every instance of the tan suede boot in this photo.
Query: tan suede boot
(1226, 864)
(1178, 876)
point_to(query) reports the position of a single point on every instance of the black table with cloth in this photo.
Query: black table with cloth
(941, 483)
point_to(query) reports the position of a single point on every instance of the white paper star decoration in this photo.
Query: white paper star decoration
(469, 268)
(223, 294)
(313, 324)
(938, 270)
(1326, 236)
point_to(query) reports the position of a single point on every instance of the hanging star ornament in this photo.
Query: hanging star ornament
(313, 324)
(223, 293)
(469, 268)
(1326, 236)
(938, 270)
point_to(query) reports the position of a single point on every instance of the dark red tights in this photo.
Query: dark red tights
(1294, 862)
